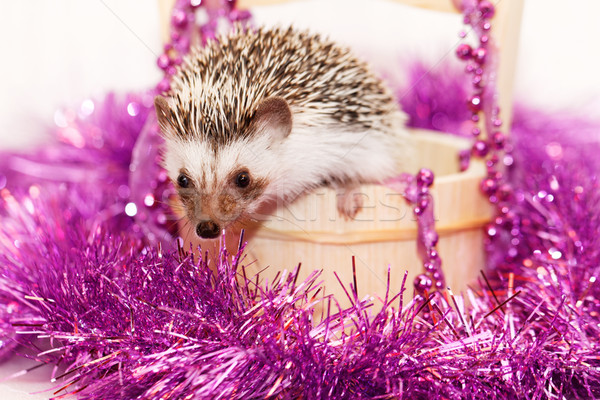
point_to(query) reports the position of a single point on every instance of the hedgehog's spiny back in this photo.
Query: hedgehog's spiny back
(219, 86)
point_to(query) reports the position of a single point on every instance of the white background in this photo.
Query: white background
(60, 52)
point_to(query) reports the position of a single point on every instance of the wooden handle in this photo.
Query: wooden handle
(437, 5)
(164, 14)
(506, 30)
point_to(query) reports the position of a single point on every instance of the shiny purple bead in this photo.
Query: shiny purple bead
(474, 103)
(512, 253)
(486, 8)
(163, 176)
(412, 193)
(429, 266)
(498, 139)
(175, 36)
(433, 255)
(425, 177)
(464, 51)
(480, 148)
(489, 186)
(491, 163)
(163, 61)
(423, 283)
(179, 18)
(479, 55)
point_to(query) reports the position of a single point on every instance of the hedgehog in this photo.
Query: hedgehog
(263, 116)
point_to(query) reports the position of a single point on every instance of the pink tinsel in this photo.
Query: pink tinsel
(125, 314)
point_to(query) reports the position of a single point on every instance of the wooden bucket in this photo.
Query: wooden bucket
(384, 233)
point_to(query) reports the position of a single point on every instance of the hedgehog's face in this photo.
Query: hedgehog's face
(219, 185)
(216, 189)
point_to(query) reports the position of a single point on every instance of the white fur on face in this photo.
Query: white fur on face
(194, 157)
(213, 173)
(199, 159)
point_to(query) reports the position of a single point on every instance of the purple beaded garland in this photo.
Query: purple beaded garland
(478, 14)
(184, 28)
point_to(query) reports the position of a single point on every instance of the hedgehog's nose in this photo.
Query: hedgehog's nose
(208, 230)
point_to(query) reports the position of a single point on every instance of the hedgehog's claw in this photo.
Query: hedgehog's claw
(349, 201)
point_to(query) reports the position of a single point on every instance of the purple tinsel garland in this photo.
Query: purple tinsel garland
(122, 313)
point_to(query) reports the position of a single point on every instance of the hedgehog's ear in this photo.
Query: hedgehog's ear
(274, 116)
(164, 116)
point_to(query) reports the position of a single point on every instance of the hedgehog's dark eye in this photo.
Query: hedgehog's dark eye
(242, 179)
(183, 181)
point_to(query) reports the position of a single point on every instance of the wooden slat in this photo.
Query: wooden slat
(372, 236)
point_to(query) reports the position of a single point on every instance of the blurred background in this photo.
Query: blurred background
(57, 54)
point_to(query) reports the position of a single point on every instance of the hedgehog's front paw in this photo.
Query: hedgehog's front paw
(349, 202)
